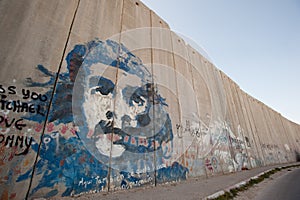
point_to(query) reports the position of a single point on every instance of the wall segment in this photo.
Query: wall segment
(101, 95)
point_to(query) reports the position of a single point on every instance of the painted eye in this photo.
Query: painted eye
(101, 90)
(103, 85)
(137, 99)
(106, 86)
(47, 140)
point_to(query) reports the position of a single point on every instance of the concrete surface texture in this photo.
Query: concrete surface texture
(100, 96)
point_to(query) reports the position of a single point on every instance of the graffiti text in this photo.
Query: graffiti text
(16, 141)
(18, 106)
(13, 122)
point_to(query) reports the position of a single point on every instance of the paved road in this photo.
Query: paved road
(189, 190)
(286, 187)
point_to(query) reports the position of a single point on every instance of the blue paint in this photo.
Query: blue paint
(76, 162)
(176, 172)
(105, 86)
(164, 135)
(65, 165)
(30, 83)
(128, 178)
(114, 55)
(52, 193)
(61, 111)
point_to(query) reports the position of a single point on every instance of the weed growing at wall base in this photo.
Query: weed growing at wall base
(234, 191)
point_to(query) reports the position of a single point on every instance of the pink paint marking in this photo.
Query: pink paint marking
(38, 128)
(143, 141)
(73, 131)
(64, 129)
(50, 127)
(133, 141)
(90, 134)
(126, 139)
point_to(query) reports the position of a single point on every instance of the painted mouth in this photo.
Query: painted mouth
(133, 143)
(113, 137)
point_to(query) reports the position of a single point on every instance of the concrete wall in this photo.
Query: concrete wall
(100, 96)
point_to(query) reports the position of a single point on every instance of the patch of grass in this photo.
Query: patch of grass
(227, 195)
(234, 191)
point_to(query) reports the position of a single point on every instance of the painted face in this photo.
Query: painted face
(122, 113)
(115, 112)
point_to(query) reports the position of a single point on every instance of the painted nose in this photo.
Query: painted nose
(109, 114)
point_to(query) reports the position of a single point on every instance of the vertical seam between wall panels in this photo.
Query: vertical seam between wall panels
(229, 99)
(190, 68)
(153, 95)
(285, 132)
(244, 122)
(277, 134)
(177, 92)
(221, 79)
(50, 102)
(173, 56)
(271, 129)
(220, 83)
(267, 129)
(252, 127)
(232, 87)
(256, 132)
(248, 125)
(114, 104)
(264, 129)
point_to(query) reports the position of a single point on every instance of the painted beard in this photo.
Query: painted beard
(114, 141)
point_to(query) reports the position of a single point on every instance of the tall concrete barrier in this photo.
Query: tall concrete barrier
(98, 96)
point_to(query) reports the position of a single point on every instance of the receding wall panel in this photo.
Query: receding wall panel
(33, 36)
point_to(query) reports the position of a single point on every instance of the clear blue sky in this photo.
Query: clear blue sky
(255, 42)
